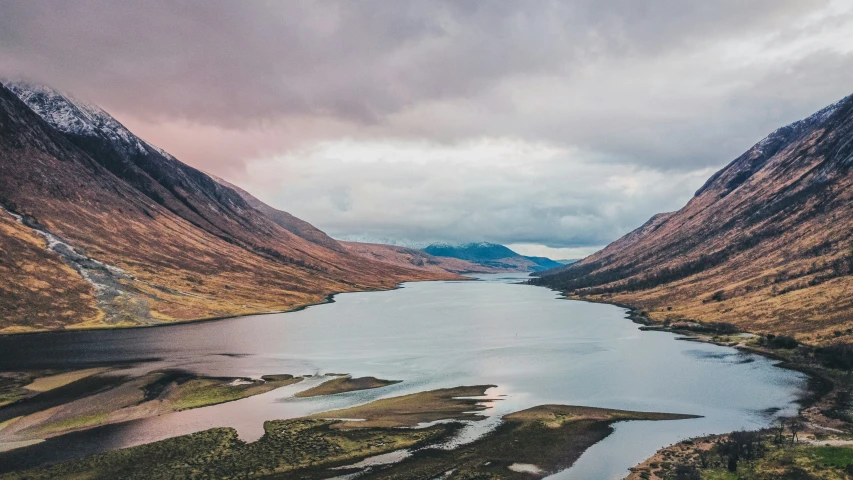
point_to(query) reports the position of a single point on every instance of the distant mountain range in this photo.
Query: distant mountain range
(380, 240)
(99, 228)
(765, 244)
(568, 261)
(491, 255)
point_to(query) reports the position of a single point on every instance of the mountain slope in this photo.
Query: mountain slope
(491, 255)
(411, 257)
(294, 225)
(152, 239)
(543, 263)
(764, 244)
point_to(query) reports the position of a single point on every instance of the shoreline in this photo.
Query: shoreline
(328, 298)
(812, 393)
(816, 419)
(818, 402)
(635, 314)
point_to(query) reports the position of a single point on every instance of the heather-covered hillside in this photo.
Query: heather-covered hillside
(99, 228)
(765, 244)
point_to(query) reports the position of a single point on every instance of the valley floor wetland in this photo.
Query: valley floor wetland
(432, 380)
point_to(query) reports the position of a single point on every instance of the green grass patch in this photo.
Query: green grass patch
(308, 447)
(719, 475)
(201, 392)
(345, 384)
(11, 396)
(12, 386)
(835, 456)
(73, 423)
(797, 462)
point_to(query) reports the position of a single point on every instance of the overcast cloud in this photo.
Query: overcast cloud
(534, 123)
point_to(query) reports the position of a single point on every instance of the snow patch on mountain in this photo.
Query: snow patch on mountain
(69, 115)
(814, 120)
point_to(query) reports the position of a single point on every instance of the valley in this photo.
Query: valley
(432, 240)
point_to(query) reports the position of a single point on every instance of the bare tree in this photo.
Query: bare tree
(794, 426)
(779, 431)
(704, 458)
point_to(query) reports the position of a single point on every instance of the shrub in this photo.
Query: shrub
(724, 328)
(781, 341)
(687, 472)
(837, 356)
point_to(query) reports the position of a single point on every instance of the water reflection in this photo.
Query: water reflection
(539, 349)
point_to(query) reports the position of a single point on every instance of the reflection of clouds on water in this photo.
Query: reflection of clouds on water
(721, 357)
(770, 413)
(438, 335)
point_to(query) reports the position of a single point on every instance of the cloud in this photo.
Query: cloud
(567, 253)
(585, 118)
(504, 190)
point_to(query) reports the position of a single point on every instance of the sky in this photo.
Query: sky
(551, 127)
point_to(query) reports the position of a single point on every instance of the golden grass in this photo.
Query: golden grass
(40, 291)
(43, 384)
(345, 384)
(555, 416)
(70, 424)
(6, 446)
(203, 392)
(411, 410)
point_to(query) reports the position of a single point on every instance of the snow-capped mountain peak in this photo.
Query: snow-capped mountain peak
(69, 115)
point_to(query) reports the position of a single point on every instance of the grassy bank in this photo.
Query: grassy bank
(815, 444)
(456, 403)
(765, 455)
(345, 384)
(308, 445)
(529, 444)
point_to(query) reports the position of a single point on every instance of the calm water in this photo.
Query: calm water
(536, 347)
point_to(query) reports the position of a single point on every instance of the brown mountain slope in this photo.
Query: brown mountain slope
(764, 244)
(390, 254)
(394, 255)
(37, 284)
(294, 225)
(155, 240)
(412, 258)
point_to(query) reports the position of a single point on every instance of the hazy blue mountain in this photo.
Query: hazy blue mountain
(492, 255)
